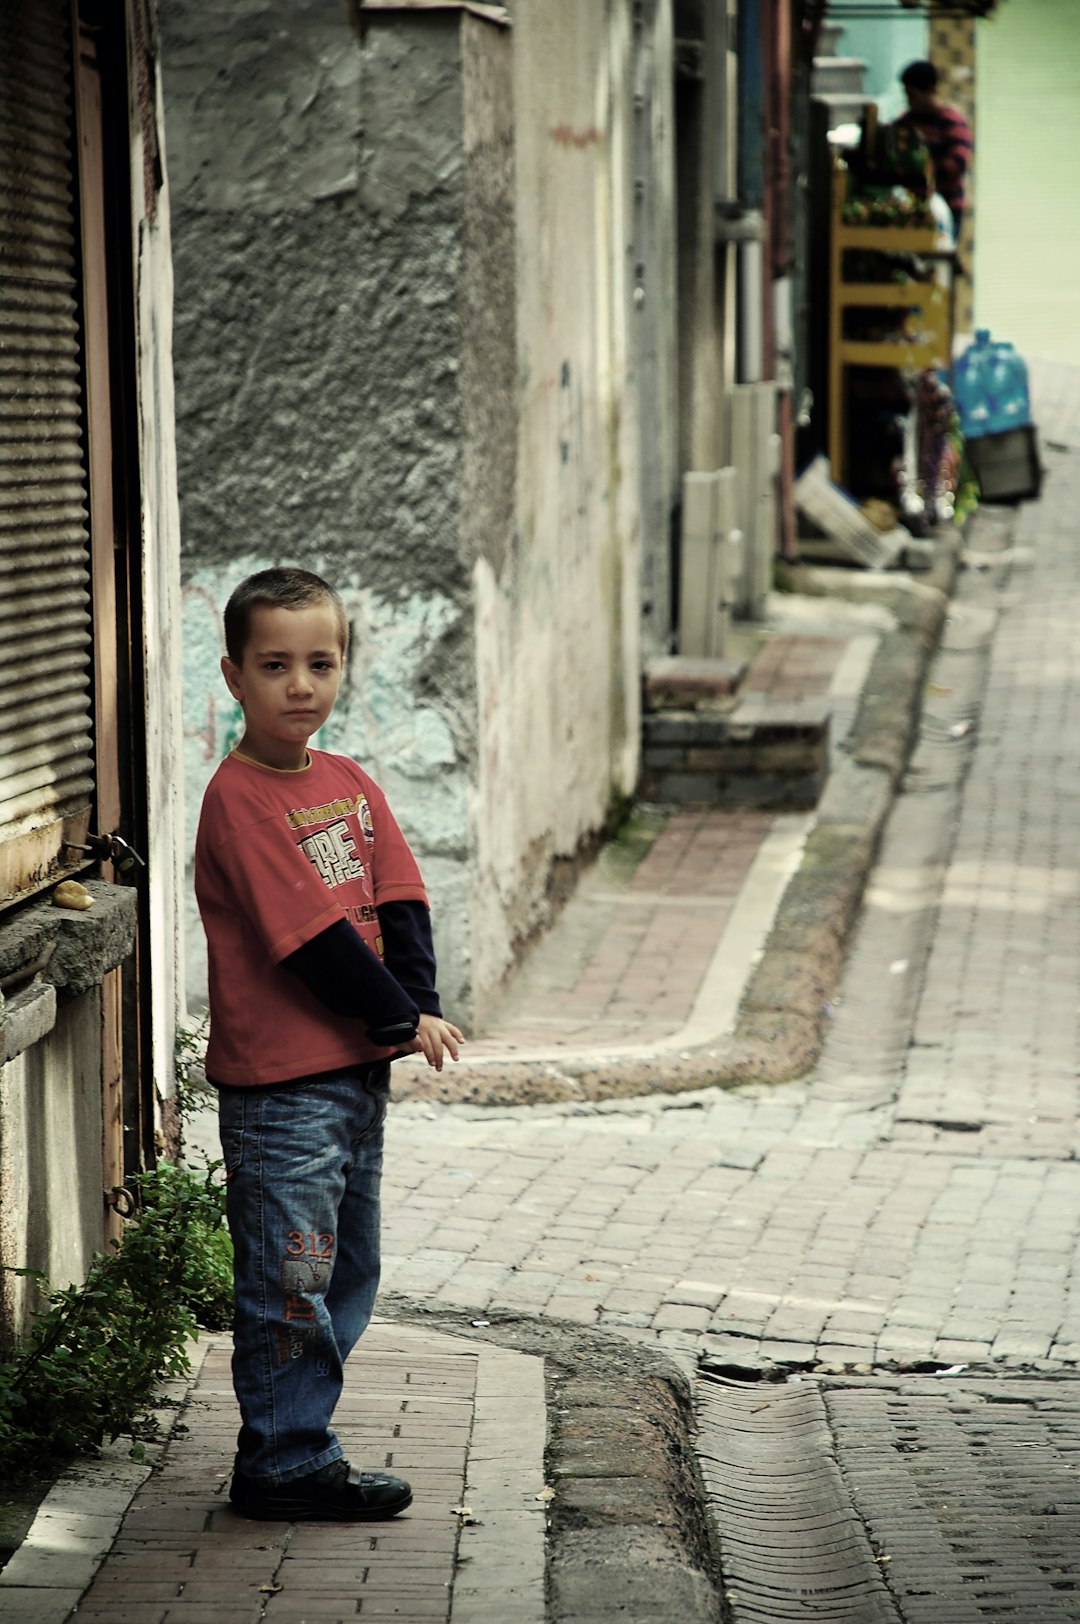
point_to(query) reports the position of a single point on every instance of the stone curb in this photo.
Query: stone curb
(628, 1536)
(785, 1007)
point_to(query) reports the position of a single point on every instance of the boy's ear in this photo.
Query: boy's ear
(231, 672)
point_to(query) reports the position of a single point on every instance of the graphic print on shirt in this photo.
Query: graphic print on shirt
(332, 853)
(300, 817)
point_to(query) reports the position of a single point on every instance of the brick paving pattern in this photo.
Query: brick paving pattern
(832, 1222)
(917, 1199)
(789, 667)
(931, 1501)
(968, 1493)
(626, 963)
(796, 1547)
(183, 1555)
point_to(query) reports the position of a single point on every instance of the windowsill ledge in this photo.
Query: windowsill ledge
(25, 1018)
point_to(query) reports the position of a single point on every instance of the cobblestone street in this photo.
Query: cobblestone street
(916, 1200)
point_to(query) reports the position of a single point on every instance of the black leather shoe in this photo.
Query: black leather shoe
(335, 1493)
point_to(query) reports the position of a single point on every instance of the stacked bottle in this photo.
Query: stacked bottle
(990, 384)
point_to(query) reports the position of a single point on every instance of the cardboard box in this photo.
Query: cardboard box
(1006, 465)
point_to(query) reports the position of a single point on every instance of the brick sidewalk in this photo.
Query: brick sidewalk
(625, 962)
(464, 1422)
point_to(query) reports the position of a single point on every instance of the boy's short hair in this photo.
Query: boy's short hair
(920, 76)
(277, 588)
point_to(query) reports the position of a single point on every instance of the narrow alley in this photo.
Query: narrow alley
(867, 1278)
(621, 411)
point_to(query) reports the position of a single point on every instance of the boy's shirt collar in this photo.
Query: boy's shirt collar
(281, 772)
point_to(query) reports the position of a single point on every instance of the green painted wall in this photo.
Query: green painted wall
(1027, 233)
(886, 45)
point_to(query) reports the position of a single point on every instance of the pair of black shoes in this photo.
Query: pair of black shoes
(335, 1493)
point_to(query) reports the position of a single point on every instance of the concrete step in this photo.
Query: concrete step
(829, 36)
(715, 733)
(680, 682)
(838, 73)
(765, 753)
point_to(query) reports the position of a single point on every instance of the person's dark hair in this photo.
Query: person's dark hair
(920, 76)
(278, 588)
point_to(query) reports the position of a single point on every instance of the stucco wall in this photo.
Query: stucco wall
(559, 627)
(417, 294)
(317, 239)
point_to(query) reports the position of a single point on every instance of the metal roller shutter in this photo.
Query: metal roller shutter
(46, 748)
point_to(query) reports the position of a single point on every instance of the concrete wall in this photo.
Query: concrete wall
(317, 240)
(417, 295)
(559, 627)
(50, 1159)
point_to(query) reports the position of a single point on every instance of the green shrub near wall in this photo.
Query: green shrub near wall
(96, 1353)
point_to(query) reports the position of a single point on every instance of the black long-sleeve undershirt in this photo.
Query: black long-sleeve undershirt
(408, 951)
(343, 973)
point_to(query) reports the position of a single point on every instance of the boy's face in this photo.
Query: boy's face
(287, 681)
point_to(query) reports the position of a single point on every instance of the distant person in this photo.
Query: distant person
(945, 131)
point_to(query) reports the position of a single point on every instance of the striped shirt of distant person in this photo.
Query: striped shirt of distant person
(944, 129)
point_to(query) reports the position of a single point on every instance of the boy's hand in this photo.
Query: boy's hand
(435, 1038)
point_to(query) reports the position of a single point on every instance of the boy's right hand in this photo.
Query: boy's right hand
(435, 1038)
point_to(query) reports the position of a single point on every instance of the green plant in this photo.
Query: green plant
(96, 1352)
(193, 1092)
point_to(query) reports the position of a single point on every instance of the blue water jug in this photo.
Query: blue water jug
(1010, 404)
(990, 386)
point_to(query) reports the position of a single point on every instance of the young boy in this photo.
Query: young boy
(321, 970)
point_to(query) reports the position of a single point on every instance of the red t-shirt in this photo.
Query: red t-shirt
(280, 857)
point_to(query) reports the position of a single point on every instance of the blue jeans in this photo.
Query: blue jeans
(303, 1165)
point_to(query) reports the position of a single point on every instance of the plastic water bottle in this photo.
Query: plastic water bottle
(990, 386)
(971, 378)
(1010, 404)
